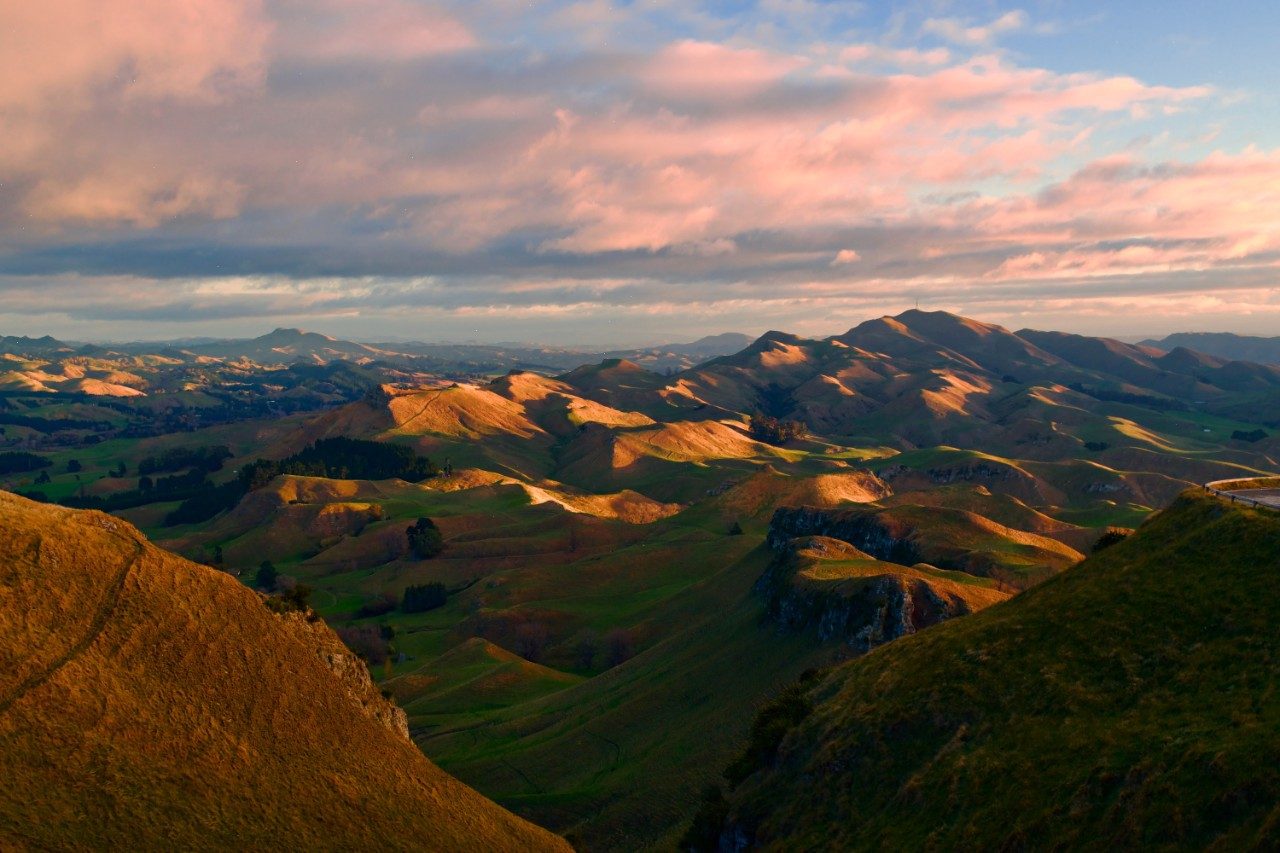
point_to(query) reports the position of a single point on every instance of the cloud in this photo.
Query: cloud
(699, 69)
(895, 56)
(62, 54)
(959, 32)
(379, 31)
(238, 158)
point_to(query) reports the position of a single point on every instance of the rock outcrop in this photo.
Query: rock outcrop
(942, 537)
(845, 596)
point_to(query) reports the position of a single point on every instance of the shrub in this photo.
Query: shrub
(1251, 436)
(366, 641)
(293, 599)
(380, 606)
(1112, 536)
(424, 597)
(266, 577)
(619, 646)
(708, 823)
(770, 727)
(584, 653)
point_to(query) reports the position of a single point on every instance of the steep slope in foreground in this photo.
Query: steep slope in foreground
(1130, 702)
(147, 702)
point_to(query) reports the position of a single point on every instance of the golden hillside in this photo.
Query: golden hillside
(154, 703)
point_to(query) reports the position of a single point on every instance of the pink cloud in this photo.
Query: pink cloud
(707, 69)
(139, 198)
(1233, 199)
(57, 54)
(167, 113)
(373, 30)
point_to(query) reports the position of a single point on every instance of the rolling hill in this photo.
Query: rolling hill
(611, 614)
(1223, 345)
(154, 703)
(1128, 703)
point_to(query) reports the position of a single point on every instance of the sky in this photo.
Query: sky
(622, 173)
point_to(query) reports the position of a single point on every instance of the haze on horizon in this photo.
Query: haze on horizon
(597, 172)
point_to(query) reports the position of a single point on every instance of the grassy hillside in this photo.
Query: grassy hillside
(601, 652)
(1130, 702)
(616, 762)
(148, 702)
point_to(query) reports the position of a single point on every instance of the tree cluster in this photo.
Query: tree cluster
(344, 459)
(19, 461)
(423, 597)
(775, 431)
(180, 458)
(340, 458)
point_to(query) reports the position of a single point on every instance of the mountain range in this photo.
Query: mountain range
(1224, 345)
(633, 564)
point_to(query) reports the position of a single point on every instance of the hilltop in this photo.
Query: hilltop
(1127, 703)
(151, 702)
(1223, 345)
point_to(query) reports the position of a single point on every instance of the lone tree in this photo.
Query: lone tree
(266, 577)
(425, 540)
(585, 651)
(531, 641)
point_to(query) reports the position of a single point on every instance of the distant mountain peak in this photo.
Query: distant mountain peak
(292, 334)
(774, 336)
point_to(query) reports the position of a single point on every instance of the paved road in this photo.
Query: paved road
(1269, 497)
(1266, 497)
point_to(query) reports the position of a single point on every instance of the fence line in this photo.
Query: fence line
(1216, 487)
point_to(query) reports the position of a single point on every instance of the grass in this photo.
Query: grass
(1128, 703)
(611, 755)
(156, 704)
(611, 761)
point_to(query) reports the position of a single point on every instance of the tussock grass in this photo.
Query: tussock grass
(150, 703)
